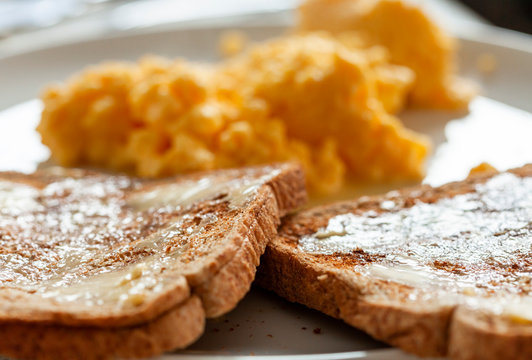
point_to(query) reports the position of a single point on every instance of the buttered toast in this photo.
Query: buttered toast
(99, 266)
(434, 271)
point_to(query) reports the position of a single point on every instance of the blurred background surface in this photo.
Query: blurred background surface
(27, 24)
(510, 14)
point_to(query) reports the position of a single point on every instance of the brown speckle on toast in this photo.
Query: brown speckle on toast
(204, 257)
(423, 319)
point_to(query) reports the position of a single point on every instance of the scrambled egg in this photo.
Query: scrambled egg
(482, 168)
(411, 38)
(311, 98)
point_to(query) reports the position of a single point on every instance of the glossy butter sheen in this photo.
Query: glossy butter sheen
(187, 193)
(66, 240)
(465, 246)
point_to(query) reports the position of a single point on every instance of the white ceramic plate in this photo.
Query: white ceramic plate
(263, 324)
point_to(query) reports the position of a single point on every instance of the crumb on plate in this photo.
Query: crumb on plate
(487, 63)
(232, 43)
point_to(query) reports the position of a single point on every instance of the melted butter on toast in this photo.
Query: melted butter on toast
(107, 240)
(473, 248)
(237, 192)
(17, 197)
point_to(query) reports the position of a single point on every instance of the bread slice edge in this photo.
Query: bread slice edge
(452, 330)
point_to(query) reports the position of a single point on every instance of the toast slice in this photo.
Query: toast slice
(434, 271)
(99, 265)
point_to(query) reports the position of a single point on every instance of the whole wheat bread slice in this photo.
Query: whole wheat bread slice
(103, 266)
(434, 271)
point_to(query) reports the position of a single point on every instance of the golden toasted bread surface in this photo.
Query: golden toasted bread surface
(84, 251)
(407, 266)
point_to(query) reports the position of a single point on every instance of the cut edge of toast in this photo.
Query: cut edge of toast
(173, 325)
(177, 328)
(441, 330)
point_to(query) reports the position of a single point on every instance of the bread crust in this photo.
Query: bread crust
(214, 289)
(221, 293)
(422, 329)
(176, 328)
(303, 280)
(473, 336)
(257, 228)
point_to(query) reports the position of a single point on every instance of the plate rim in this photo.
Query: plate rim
(484, 34)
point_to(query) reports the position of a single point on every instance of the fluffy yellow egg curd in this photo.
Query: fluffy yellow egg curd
(311, 98)
(411, 37)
